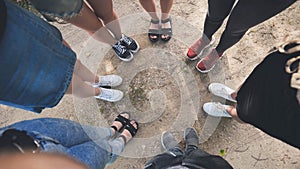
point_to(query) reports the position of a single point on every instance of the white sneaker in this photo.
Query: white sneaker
(216, 109)
(221, 90)
(110, 95)
(108, 80)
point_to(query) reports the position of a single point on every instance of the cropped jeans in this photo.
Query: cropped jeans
(87, 144)
(36, 68)
(58, 9)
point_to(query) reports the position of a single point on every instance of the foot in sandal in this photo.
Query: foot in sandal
(129, 131)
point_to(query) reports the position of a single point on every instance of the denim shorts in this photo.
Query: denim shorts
(58, 9)
(35, 67)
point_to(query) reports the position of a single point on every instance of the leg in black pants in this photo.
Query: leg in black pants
(247, 14)
(218, 10)
(244, 15)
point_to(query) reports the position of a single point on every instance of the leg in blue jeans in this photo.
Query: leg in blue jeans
(67, 132)
(87, 144)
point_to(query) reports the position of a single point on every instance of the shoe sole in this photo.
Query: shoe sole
(201, 52)
(126, 59)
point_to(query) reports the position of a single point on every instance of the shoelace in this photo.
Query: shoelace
(127, 40)
(105, 81)
(220, 108)
(106, 94)
(120, 48)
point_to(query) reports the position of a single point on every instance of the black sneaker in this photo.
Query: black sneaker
(191, 137)
(168, 141)
(130, 43)
(122, 52)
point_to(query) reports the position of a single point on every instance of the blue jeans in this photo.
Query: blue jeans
(58, 9)
(35, 67)
(88, 144)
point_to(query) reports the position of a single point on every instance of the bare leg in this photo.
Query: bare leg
(149, 6)
(82, 71)
(166, 6)
(104, 10)
(232, 111)
(88, 21)
(79, 88)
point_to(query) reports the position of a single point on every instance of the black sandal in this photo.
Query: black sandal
(166, 31)
(153, 32)
(132, 130)
(122, 120)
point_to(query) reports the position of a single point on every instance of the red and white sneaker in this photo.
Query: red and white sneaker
(198, 47)
(207, 63)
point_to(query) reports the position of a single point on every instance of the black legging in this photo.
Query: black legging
(246, 14)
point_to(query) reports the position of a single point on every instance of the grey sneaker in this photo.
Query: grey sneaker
(168, 141)
(108, 80)
(110, 95)
(216, 109)
(191, 137)
(130, 43)
(122, 52)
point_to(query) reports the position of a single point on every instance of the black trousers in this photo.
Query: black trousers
(244, 15)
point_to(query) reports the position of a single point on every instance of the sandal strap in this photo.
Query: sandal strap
(155, 32)
(166, 31)
(131, 128)
(154, 21)
(122, 120)
(114, 127)
(166, 20)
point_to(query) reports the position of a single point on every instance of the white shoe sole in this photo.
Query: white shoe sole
(127, 59)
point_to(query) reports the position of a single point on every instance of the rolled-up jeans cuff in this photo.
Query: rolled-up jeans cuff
(58, 9)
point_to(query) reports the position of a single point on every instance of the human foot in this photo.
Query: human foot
(207, 63)
(166, 29)
(222, 90)
(153, 32)
(110, 95)
(216, 109)
(199, 46)
(129, 131)
(120, 121)
(108, 80)
(168, 141)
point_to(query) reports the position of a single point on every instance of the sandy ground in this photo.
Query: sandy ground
(164, 91)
